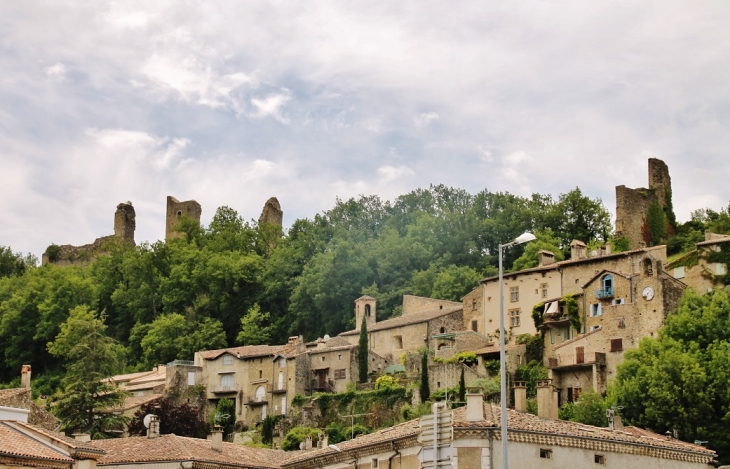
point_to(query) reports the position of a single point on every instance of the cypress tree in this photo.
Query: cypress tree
(362, 352)
(462, 386)
(425, 391)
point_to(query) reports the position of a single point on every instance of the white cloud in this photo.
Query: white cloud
(57, 70)
(271, 105)
(390, 173)
(425, 118)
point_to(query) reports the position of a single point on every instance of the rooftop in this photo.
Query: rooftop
(413, 318)
(247, 351)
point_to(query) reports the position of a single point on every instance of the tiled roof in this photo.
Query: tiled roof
(168, 448)
(573, 261)
(8, 393)
(403, 430)
(134, 401)
(714, 241)
(79, 446)
(129, 376)
(365, 297)
(495, 348)
(14, 442)
(247, 351)
(413, 318)
(518, 421)
(146, 385)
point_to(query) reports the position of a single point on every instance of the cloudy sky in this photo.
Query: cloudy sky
(230, 103)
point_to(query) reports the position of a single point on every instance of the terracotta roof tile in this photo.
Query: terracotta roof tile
(247, 351)
(495, 348)
(83, 446)
(405, 320)
(16, 443)
(177, 448)
(134, 401)
(145, 385)
(403, 430)
(528, 422)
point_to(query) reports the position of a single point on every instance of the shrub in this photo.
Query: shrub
(386, 383)
(297, 435)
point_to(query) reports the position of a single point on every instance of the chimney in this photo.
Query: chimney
(323, 441)
(577, 250)
(308, 443)
(82, 437)
(520, 396)
(547, 406)
(216, 440)
(25, 377)
(153, 430)
(618, 424)
(545, 257)
(474, 405)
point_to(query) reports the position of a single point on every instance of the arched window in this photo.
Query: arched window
(367, 310)
(260, 394)
(648, 268)
(442, 330)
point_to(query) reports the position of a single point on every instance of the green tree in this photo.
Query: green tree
(589, 408)
(91, 357)
(172, 337)
(462, 387)
(224, 415)
(13, 263)
(679, 379)
(362, 352)
(545, 241)
(253, 331)
(424, 389)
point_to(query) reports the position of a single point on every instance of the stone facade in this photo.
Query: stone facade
(175, 211)
(66, 254)
(633, 204)
(414, 304)
(693, 267)
(21, 399)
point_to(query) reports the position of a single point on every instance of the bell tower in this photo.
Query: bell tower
(365, 306)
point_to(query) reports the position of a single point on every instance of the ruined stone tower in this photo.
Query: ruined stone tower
(125, 222)
(632, 205)
(365, 306)
(272, 213)
(175, 211)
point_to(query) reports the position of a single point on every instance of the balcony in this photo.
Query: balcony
(253, 402)
(224, 390)
(275, 389)
(606, 292)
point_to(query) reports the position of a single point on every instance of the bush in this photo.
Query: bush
(386, 383)
(297, 435)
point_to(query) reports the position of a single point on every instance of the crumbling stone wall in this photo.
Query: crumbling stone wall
(66, 254)
(175, 211)
(272, 213)
(632, 204)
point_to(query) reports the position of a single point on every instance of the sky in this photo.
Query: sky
(230, 103)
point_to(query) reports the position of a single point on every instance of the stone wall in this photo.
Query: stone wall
(175, 211)
(21, 399)
(415, 304)
(272, 213)
(633, 204)
(125, 222)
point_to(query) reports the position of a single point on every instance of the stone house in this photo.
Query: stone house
(616, 310)
(694, 269)
(413, 330)
(474, 440)
(21, 398)
(250, 376)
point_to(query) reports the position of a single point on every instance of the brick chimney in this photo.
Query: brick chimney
(25, 377)
(308, 443)
(474, 405)
(153, 431)
(82, 437)
(545, 257)
(520, 396)
(577, 250)
(216, 439)
(547, 404)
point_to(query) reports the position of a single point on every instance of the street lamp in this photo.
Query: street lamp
(525, 237)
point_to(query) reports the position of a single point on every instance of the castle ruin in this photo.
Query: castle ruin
(632, 205)
(66, 254)
(272, 213)
(175, 211)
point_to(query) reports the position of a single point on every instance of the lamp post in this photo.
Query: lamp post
(525, 237)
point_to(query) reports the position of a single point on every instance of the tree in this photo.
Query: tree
(590, 408)
(424, 390)
(182, 419)
(679, 379)
(13, 263)
(362, 352)
(172, 337)
(462, 386)
(224, 415)
(86, 402)
(253, 331)
(545, 241)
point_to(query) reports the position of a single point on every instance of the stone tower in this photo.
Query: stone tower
(632, 205)
(365, 306)
(175, 211)
(124, 222)
(272, 213)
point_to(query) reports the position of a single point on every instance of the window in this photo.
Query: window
(339, 356)
(323, 359)
(544, 289)
(367, 310)
(261, 374)
(227, 382)
(596, 309)
(227, 360)
(263, 412)
(720, 269)
(474, 305)
(679, 272)
(283, 406)
(340, 374)
(260, 394)
(514, 317)
(191, 378)
(374, 464)
(281, 380)
(514, 293)
(617, 345)
(442, 330)
(621, 323)
(552, 336)
(648, 268)
(398, 341)
(474, 326)
(282, 362)
(599, 459)
(546, 453)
